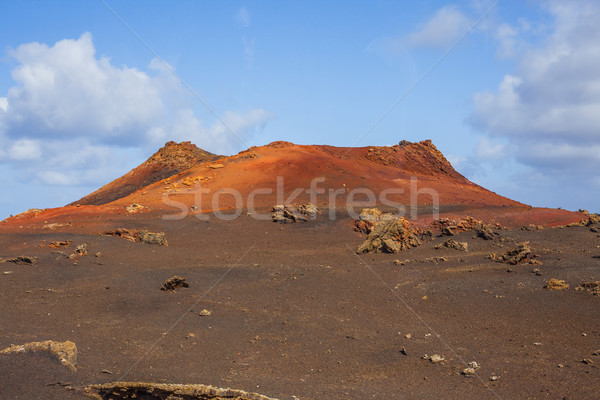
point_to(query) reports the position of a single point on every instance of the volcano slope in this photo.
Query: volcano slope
(290, 310)
(169, 160)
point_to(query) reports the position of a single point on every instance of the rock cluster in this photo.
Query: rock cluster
(453, 244)
(390, 236)
(519, 254)
(134, 235)
(286, 214)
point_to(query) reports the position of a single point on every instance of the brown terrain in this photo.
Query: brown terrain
(152, 289)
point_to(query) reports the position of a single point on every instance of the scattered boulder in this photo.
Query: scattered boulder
(286, 214)
(450, 227)
(153, 238)
(556, 284)
(81, 250)
(174, 283)
(471, 369)
(390, 236)
(205, 313)
(532, 227)
(65, 352)
(592, 287)
(453, 244)
(216, 166)
(515, 256)
(594, 223)
(129, 234)
(133, 208)
(159, 391)
(23, 260)
(484, 232)
(59, 243)
(143, 236)
(437, 359)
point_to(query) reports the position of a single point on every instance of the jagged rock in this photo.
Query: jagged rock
(556, 284)
(453, 244)
(81, 250)
(174, 283)
(369, 217)
(390, 236)
(450, 227)
(594, 223)
(515, 256)
(164, 391)
(22, 260)
(286, 214)
(59, 243)
(65, 352)
(134, 235)
(484, 232)
(437, 359)
(153, 238)
(133, 208)
(593, 287)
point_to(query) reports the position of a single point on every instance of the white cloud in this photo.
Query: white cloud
(25, 150)
(56, 178)
(64, 89)
(217, 137)
(549, 108)
(73, 115)
(443, 29)
(487, 151)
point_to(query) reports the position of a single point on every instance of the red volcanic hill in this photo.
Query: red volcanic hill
(171, 159)
(412, 178)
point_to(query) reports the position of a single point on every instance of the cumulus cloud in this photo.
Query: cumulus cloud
(486, 150)
(25, 149)
(441, 30)
(186, 126)
(549, 108)
(73, 115)
(64, 89)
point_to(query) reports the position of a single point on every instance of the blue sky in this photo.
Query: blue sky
(515, 105)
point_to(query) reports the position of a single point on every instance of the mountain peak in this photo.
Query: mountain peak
(169, 160)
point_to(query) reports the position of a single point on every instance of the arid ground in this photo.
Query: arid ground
(291, 311)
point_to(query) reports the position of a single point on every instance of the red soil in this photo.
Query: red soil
(410, 177)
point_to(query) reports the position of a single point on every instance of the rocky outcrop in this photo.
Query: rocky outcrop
(453, 244)
(286, 214)
(556, 284)
(64, 352)
(166, 391)
(24, 260)
(450, 227)
(134, 235)
(521, 253)
(174, 283)
(390, 236)
(368, 218)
